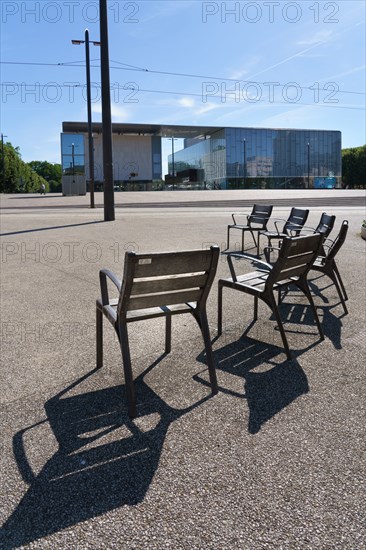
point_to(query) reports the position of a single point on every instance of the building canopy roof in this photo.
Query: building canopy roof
(161, 130)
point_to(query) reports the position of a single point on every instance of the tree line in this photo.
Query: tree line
(17, 176)
(354, 167)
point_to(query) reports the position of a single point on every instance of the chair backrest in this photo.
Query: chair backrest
(295, 221)
(325, 224)
(167, 278)
(259, 216)
(338, 241)
(295, 257)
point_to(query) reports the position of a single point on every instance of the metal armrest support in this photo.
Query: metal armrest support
(103, 275)
(268, 249)
(239, 214)
(245, 257)
(307, 228)
(276, 221)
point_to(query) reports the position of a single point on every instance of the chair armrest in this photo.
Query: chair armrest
(262, 263)
(276, 221)
(294, 229)
(307, 229)
(239, 214)
(103, 275)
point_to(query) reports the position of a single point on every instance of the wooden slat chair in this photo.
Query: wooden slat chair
(256, 221)
(296, 256)
(157, 285)
(325, 263)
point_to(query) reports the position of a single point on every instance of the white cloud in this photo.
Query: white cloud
(119, 114)
(186, 102)
(293, 118)
(239, 74)
(318, 37)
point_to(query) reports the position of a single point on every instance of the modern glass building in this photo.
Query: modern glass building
(248, 158)
(211, 158)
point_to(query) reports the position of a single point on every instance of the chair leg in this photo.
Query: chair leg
(99, 338)
(208, 347)
(333, 277)
(228, 237)
(242, 241)
(255, 317)
(168, 333)
(256, 242)
(219, 310)
(335, 269)
(274, 308)
(126, 358)
(306, 291)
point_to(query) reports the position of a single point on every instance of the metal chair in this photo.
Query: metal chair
(325, 263)
(291, 228)
(325, 225)
(256, 221)
(296, 256)
(157, 285)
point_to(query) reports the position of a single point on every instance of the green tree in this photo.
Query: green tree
(17, 176)
(354, 166)
(52, 173)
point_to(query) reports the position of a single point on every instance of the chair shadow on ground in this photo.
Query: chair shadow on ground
(270, 385)
(104, 459)
(267, 392)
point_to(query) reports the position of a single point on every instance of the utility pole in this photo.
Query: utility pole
(90, 130)
(244, 162)
(173, 163)
(106, 116)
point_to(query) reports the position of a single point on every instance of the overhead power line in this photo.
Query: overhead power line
(249, 101)
(127, 67)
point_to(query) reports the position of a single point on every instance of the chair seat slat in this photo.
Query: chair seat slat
(153, 312)
(150, 286)
(141, 302)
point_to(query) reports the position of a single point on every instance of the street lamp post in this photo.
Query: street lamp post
(106, 116)
(308, 147)
(173, 165)
(245, 161)
(73, 161)
(90, 130)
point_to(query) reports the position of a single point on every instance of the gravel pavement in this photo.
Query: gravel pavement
(276, 460)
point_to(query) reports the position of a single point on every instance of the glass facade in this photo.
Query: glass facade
(264, 158)
(72, 154)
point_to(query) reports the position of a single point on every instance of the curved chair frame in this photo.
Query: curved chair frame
(326, 264)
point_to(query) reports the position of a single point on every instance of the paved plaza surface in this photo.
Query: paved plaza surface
(276, 460)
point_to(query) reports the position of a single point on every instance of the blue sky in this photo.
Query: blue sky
(259, 64)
